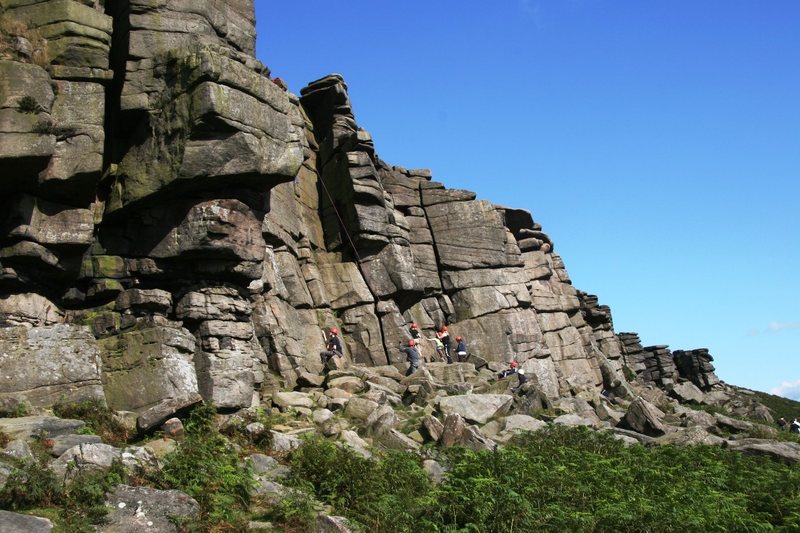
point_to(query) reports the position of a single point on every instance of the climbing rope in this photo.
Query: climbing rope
(341, 222)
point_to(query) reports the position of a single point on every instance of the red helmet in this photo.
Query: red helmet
(414, 325)
(444, 328)
(334, 331)
(514, 364)
(459, 338)
(412, 343)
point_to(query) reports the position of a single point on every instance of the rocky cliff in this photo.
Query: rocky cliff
(178, 227)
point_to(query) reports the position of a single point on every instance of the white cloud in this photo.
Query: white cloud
(788, 389)
(774, 327)
(783, 326)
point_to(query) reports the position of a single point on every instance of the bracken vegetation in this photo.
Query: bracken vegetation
(558, 479)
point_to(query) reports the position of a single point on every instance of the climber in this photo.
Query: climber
(444, 336)
(416, 334)
(523, 379)
(508, 371)
(334, 347)
(438, 347)
(412, 356)
(461, 349)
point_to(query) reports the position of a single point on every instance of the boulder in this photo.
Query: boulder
(286, 400)
(731, 424)
(135, 509)
(643, 417)
(687, 392)
(331, 524)
(50, 427)
(479, 408)
(359, 408)
(452, 431)
(515, 423)
(788, 452)
(23, 523)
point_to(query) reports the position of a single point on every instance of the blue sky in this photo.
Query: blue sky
(658, 143)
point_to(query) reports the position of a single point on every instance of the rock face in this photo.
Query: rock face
(180, 227)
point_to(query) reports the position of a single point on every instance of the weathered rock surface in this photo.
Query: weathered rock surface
(23, 523)
(643, 417)
(134, 509)
(44, 364)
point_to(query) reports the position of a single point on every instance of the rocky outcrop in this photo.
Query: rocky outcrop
(180, 227)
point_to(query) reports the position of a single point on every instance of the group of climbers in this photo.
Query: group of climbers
(441, 341)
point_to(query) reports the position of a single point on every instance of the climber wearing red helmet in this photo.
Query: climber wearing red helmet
(461, 349)
(444, 336)
(333, 349)
(412, 356)
(509, 371)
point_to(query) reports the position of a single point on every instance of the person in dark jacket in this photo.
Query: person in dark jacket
(334, 347)
(416, 334)
(509, 371)
(523, 379)
(412, 356)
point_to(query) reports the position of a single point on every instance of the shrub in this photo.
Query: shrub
(558, 479)
(83, 499)
(30, 484)
(28, 104)
(98, 417)
(391, 493)
(207, 467)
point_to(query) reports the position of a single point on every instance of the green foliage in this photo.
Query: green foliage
(558, 479)
(28, 104)
(780, 406)
(98, 417)
(207, 467)
(19, 410)
(30, 484)
(83, 499)
(390, 494)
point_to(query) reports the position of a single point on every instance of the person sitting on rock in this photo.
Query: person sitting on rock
(461, 349)
(444, 336)
(334, 347)
(514, 368)
(795, 427)
(412, 356)
(523, 379)
(782, 423)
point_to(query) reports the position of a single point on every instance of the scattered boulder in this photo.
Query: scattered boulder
(479, 408)
(788, 452)
(23, 523)
(136, 509)
(643, 417)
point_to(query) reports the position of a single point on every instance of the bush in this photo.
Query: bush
(207, 468)
(30, 484)
(558, 479)
(98, 417)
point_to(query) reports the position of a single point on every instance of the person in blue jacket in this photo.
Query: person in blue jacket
(461, 349)
(412, 356)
